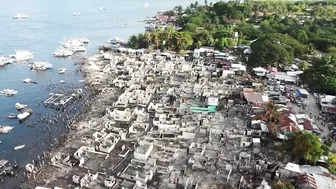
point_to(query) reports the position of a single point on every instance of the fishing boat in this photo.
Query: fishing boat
(5, 129)
(27, 80)
(21, 16)
(19, 147)
(40, 66)
(84, 40)
(19, 106)
(23, 116)
(12, 116)
(21, 55)
(116, 40)
(63, 52)
(8, 92)
(62, 70)
(4, 60)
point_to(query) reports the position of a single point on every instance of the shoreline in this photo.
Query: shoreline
(52, 129)
(70, 141)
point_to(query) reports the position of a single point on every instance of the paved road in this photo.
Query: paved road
(312, 109)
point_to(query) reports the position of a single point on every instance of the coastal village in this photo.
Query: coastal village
(163, 122)
(201, 118)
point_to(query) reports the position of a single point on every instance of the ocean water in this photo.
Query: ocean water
(50, 22)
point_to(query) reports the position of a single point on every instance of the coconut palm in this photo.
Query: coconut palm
(157, 38)
(148, 37)
(272, 117)
(168, 34)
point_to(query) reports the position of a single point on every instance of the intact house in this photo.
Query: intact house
(327, 104)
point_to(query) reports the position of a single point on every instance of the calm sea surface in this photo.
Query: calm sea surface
(50, 22)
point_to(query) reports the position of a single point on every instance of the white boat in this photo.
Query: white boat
(6, 60)
(27, 80)
(8, 92)
(62, 70)
(75, 13)
(101, 8)
(84, 40)
(20, 16)
(77, 49)
(62, 81)
(146, 5)
(5, 129)
(21, 55)
(40, 66)
(71, 46)
(19, 147)
(23, 115)
(116, 40)
(72, 43)
(19, 106)
(63, 52)
(12, 116)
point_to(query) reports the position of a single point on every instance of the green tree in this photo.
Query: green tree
(179, 10)
(283, 185)
(331, 163)
(303, 65)
(221, 43)
(148, 38)
(305, 145)
(133, 42)
(321, 75)
(190, 27)
(276, 50)
(157, 38)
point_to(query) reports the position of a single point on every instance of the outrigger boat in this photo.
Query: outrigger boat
(12, 116)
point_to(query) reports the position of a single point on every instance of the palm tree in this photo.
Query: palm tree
(272, 117)
(148, 38)
(179, 10)
(167, 36)
(157, 38)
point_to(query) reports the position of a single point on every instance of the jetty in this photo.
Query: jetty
(57, 99)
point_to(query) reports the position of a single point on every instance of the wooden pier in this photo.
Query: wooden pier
(57, 100)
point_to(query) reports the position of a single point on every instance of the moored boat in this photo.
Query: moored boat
(62, 70)
(20, 16)
(12, 116)
(19, 147)
(21, 55)
(40, 66)
(19, 106)
(27, 80)
(23, 116)
(5, 129)
(8, 92)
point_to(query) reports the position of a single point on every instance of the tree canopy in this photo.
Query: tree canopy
(214, 24)
(305, 145)
(331, 163)
(283, 185)
(321, 76)
(277, 50)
